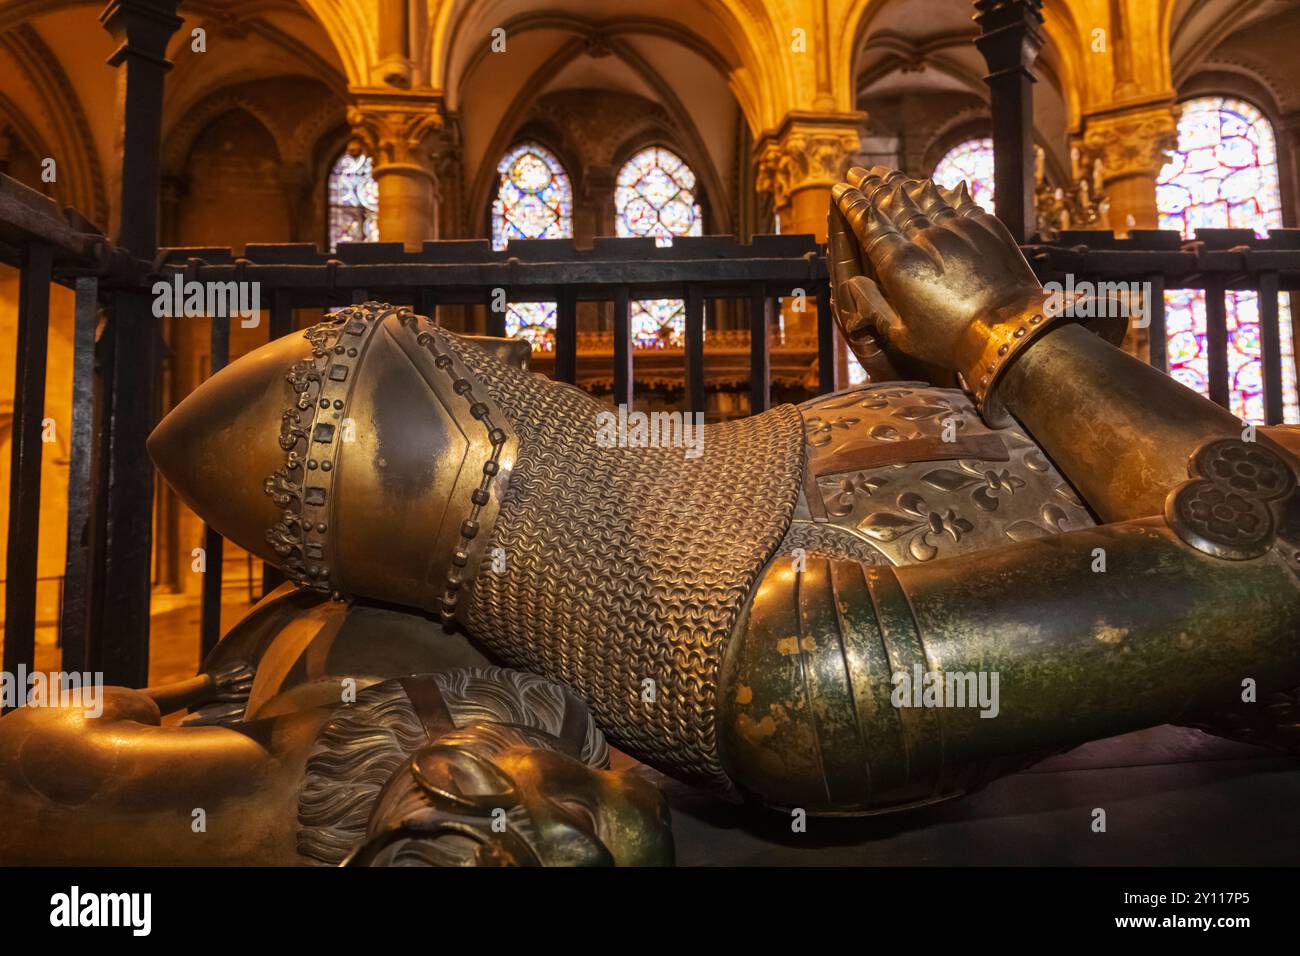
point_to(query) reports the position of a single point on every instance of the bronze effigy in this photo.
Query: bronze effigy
(1048, 519)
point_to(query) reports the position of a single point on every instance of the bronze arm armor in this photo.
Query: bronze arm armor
(805, 711)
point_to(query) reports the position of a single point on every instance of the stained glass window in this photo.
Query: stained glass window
(534, 197)
(970, 162)
(353, 201)
(1224, 175)
(534, 321)
(534, 201)
(655, 196)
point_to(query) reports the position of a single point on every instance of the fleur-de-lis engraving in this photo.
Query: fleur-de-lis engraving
(821, 430)
(921, 524)
(987, 484)
(282, 488)
(851, 489)
(291, 429)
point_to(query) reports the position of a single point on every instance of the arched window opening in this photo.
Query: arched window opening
(970, 162)
(534, 200)
(1224, 175)
(655, 196)
(353, 201)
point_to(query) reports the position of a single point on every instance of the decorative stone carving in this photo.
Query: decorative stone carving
(1133, 142)
(397, 128)
(808, 150)
(910, 473)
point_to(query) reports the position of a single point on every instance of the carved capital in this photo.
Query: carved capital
(807, 151)
(397, 129)
(1133, 142)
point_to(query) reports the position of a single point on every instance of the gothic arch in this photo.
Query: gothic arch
(746, 49)
(1059, 61)
(81, 182)
(506, 129)
(179, 141)
(298, 56)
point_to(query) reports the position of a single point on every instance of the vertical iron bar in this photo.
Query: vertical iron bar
(623, 347)
(825, 339)
(695, 397)
(1270, 347)
(566, 336)
(495, 323)
(74, 620)
(427, 304)
(1157, 334)
(760, 357)
(213, 543)
(25, 456)
(1216, 340)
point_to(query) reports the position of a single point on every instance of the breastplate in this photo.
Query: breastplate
(900, 473)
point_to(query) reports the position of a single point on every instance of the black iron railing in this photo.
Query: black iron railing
(1217, 261)
(106, 509)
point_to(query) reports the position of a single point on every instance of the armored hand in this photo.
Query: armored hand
(925, 280)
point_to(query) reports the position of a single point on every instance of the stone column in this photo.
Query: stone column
(394, 66)
(1133, 143)
(797, 164)
(398, 130)
(450, 219)
(1288, 164)
(801, 160)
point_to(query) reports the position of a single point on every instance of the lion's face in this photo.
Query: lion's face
(574, 808)
(468, 800)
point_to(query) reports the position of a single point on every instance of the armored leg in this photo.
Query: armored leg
(851, 688)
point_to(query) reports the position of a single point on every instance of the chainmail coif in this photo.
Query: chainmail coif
(628, 565)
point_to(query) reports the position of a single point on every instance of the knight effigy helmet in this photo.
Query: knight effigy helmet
(323, 453)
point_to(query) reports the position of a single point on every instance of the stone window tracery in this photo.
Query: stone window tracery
(970, 162)
(534, 200)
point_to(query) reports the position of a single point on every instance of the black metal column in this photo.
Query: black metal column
(74, 616)
(123, 525)
(1010, 40)
(25, 457)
